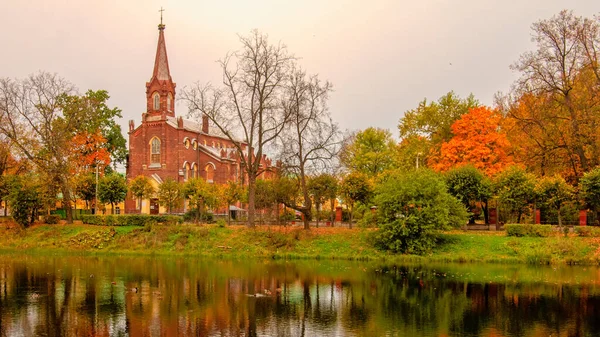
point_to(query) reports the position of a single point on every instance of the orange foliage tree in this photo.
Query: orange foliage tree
(478, 141)
(89, 150)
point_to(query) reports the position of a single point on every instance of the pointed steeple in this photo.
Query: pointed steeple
(160, 90)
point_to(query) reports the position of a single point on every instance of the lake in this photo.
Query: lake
(143, 296)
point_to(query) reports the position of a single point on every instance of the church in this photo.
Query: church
(166, 146)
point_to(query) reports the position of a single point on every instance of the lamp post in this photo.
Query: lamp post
(418, 154)
(96, 204)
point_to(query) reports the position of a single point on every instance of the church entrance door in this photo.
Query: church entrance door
(153, 206)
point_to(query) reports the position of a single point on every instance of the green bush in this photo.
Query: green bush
(52, 219)
(131, 220)
(520, 230)
(585, 231)
(192, 215)
(412, 208)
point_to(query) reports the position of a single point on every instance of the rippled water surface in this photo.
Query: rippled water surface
(116, 296)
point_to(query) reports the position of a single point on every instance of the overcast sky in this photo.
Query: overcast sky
(382, 57)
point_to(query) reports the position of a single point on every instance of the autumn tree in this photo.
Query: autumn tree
(247, 109)
(470, 186)
(323, 188)
(169, 194)
(310, 140)
(141, 188)
(555, 102)
(370, 152)
(477, 141)
(355, 187)
(425, 128)
(112, 188)
(201, 195)
(41, 115)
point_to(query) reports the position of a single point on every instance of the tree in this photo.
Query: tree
(370, 152)
(85, 187)
(412, 207)
(589, 190)
(322, 188)
(141, 188)
(28, 196)
(232, 193)
(41, 115)
(201, 195)
(429, 125)
(553, 192)
(266, 196)
(169, 194)
(555, 102)
(310, 140)
(478, 142)
(355, 187)
(469, 186)
(112, 188)
(248, 109)
(515, 190)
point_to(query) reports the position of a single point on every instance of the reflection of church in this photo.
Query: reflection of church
(165, 146)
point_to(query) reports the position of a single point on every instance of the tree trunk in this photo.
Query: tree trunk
(351, 211)
(559, 219)
(251, 197)
(112, 208)
(67, 204)
(318, 215)
(332, 203)
(486, 217)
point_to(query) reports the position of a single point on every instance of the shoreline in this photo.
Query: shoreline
(290, 243)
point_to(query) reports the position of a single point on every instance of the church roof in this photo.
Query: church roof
(161, 62)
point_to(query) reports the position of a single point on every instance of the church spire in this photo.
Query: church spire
(160, 90)
(161, 63)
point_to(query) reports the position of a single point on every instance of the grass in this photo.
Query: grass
(291, 243)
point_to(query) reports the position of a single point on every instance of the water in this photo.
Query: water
(117, 296)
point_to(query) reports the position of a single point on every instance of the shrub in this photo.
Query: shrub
(131, 220)
(520, 230)
(412, 208)
(52, 219)
(585, 231)
(192, 215)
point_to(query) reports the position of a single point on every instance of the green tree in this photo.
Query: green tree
(371, 152)
(424, 129)
(553, 192)
(355, 187)
(265, 196)
(515, 190)
(112, 188)
(469, 186)
(141, 188)
(412, 208)
(201, 195)
(42, 116)
(85, 187)
(232, 193)
(28, 196)
(169, 194)
(589, 190)
(322, 188)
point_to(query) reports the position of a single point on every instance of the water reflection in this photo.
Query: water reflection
(115, 296)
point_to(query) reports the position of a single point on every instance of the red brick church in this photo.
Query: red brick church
(166, 146)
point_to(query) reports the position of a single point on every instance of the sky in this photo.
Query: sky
(382, 57)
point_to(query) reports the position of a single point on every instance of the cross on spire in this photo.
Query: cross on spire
(161, 10)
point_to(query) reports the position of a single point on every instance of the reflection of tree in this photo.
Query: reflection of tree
(195, 297)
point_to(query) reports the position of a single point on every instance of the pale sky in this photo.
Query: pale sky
(383, 57)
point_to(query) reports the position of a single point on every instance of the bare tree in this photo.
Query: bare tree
(311, 139)
(32, 118)
(247, 109)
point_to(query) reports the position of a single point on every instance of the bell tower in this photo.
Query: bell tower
(160, 90)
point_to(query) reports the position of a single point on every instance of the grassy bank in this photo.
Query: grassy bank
(290, 242)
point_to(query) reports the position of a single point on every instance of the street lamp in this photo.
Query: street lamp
(418, 154)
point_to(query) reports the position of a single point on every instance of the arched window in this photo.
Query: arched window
(170, 102)
(155, 152)
(210, 172)
(156, 98)
(186, 171)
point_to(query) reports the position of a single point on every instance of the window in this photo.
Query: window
(156, 98)
(155, 152)
(210, 173)
(169, 102)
